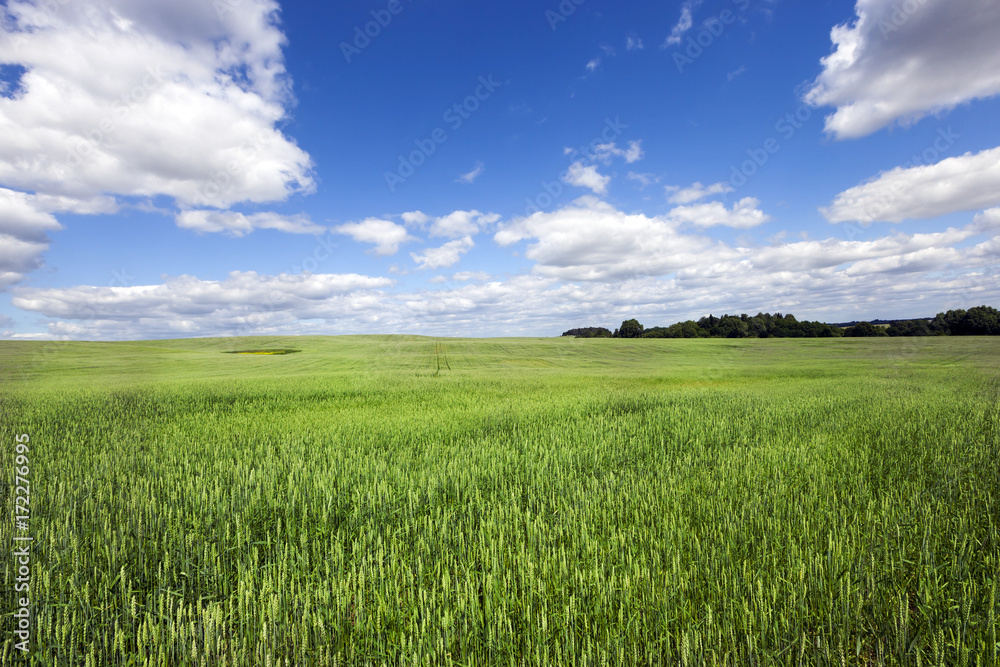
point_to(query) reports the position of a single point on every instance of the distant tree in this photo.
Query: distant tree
(909, 328)
(831, 332)
(757, 327)
(978, 321)
(589, 332)
(939, 326)
(865, 330)
(731, 326)
(630, 329)
(690, 329)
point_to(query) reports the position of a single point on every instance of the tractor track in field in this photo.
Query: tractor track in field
(439, 356)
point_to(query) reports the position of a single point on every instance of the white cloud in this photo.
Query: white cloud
(462, 223)
(634, 152)
(901, 61)
(385, 235)
(987, 221)
(447, 255)
(808, 256)
(24, 224)
(605, 152)
(594, 265)
(245, 302)
(415, 218)
(593, 64)
(644, 180)
(474, 276)
(696, 191)
(471, 176)
(586, 177)
(238, 224)
(745, 214)
(143, 99)
(591, 240)
(965, 183)
(683, 24)
(633, 43)
(122, 99)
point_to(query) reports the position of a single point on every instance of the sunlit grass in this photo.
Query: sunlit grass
(407, 500)
(277, 351)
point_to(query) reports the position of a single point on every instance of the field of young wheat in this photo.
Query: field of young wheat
(417, 501)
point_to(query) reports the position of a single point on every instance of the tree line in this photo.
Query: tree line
(978, 321)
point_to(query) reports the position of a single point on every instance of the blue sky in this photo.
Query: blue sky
(484, 169)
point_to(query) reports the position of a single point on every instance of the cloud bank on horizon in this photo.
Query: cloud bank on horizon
(232, 156)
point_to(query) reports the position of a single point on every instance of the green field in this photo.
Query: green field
(415, 501)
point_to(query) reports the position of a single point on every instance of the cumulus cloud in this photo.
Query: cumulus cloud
(171, 99)
(24, 227)
(901, 61)
(415, 218)
(445, 256)
(965, 183)
(238, 224)
(810, 256)
(462, 223)
(586, 176)
(987, 221)
(633, 43)
(604, 152)
(185, 305)
(591, 240)
(695, 192)
(744, 214)
(385, 235)
(122, 99)
(593, 264)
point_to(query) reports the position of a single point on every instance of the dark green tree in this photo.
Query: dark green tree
(865, 330)
(909, 328)
(589, 332)
(978, 321)
(630, 329)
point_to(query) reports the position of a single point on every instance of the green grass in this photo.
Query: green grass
(407, 500)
